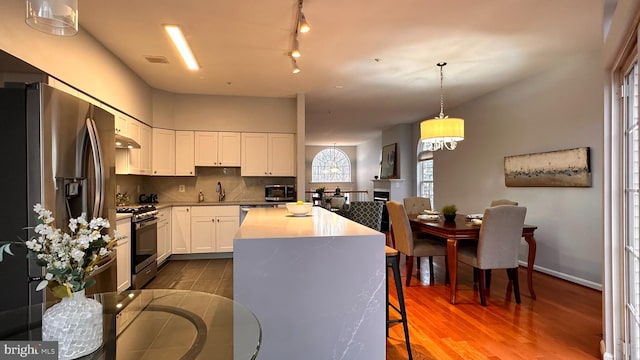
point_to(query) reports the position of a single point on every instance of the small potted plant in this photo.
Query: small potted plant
(449, 212)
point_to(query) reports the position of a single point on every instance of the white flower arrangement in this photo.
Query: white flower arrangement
(68, 258)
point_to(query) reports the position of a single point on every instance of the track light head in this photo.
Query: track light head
(295, 50)
(304, 25)
(295, 68)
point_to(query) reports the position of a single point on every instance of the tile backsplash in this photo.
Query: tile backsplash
(236, 187)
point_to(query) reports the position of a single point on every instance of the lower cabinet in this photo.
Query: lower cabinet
(123, 254)
(181, 230)
(164, 234)
(213, 228)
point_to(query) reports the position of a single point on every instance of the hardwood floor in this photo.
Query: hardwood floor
(565, 322)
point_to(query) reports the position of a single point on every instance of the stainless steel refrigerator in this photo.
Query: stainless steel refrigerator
(57, 150)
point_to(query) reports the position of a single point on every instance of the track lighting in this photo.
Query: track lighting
(304, 25)
(295, 51)
(295, 69)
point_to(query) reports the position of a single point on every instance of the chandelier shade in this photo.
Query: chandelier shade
(442, 132)
(55, 17)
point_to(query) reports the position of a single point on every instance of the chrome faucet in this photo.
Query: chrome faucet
(220, 191)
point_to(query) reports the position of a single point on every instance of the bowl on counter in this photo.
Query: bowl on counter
(297, 209)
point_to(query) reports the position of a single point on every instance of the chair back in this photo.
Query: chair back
(415, 205)
(500, 235)
(367, 213)
(401, 228)
(503, 202)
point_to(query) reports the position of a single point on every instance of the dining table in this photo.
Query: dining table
(462, 229)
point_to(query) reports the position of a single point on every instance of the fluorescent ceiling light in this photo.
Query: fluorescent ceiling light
(175, 33)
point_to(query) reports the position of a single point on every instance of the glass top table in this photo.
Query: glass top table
(161, 324)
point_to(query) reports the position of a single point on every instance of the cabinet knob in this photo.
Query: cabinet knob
(187, 209)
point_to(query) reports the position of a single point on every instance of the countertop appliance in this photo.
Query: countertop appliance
(57, 150)
(144, 242)
(279, 193)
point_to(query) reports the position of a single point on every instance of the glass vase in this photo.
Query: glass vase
(76, 324)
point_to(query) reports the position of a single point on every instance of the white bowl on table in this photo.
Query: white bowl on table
(299, 209)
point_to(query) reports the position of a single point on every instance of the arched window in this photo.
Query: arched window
(331, 165)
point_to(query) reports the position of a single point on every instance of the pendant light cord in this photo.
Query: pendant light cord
(442, 65)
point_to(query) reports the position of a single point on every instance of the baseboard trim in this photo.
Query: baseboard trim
(571, 278)
(200, 256)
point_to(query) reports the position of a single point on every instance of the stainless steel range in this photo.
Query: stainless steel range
(144, 243)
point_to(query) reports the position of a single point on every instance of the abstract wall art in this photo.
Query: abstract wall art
(569, 167)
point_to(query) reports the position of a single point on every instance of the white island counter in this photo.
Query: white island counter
(315, 283)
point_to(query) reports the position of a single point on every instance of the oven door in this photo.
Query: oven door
(145, 240)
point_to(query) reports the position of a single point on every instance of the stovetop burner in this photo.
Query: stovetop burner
(139, 212)
(135, 208)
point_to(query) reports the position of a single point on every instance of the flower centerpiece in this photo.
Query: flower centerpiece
(69, 259)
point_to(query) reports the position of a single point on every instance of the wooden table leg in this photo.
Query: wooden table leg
(531, 241)
(452, 264)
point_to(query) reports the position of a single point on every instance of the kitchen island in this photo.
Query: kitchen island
(316, 283)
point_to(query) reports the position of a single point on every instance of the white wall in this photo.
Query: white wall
(369, 155)
(560, 108)
(224, 113)
(78, 60)
(405, 158)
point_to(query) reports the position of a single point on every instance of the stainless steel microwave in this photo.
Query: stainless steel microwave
(279, 193)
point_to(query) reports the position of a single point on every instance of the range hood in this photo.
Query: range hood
(123, 142)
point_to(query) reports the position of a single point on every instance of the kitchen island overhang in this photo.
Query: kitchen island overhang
(316, 284)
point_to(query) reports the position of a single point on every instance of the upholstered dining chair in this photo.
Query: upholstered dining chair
(415, 204)
(409, 244)
(367, 213)
(503, 202)
(497, 246)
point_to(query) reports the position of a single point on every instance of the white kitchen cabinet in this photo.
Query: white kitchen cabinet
(164, 234)
(140, 159)
(123, 254)
(184, 156)
(213, 228)
(217, 148)
(265, 154)
(164, 152)
(181, 230)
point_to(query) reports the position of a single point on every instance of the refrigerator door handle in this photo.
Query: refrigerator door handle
(99, 168)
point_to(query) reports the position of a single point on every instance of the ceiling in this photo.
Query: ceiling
(366, 64)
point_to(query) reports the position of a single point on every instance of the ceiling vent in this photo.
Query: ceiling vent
(157, 59)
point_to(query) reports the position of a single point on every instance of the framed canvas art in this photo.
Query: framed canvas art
(569, 167)
(388, 167)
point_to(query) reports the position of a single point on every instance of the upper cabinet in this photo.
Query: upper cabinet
(164, 149)
(184, 153)
(173, 153)
(217, 148)
(140, 159)
(267, 154)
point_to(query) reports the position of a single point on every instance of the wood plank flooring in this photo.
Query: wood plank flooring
(565, 322)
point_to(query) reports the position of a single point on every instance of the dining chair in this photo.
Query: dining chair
(411, 245)
(415, 204)
(497, 246)
(367, 213)
(503, 202)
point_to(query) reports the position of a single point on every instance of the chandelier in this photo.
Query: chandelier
(442, 132)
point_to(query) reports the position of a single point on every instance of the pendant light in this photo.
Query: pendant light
(55, 17)
(442, 132)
